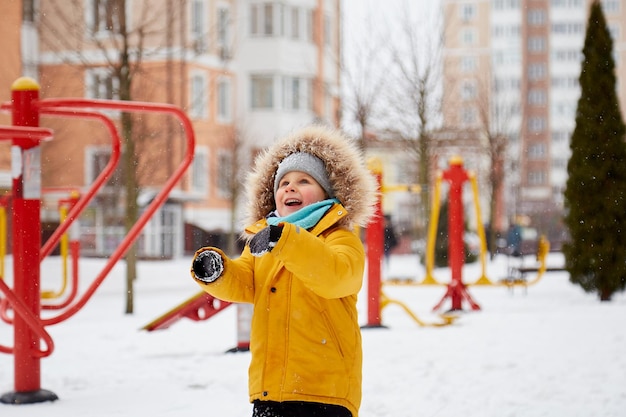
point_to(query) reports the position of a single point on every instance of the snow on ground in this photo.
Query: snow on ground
(552, 350)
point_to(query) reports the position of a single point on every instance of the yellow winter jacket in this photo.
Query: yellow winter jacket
(305, 339)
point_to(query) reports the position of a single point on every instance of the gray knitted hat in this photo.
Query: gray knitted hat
(304, 162)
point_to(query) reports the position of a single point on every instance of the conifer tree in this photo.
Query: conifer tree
(595, 195)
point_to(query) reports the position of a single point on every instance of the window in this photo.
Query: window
(506, 4)
(225, 174)
(327, 31)
(565, 82)
(506, 57)
(536, 151)
(262, 91)
(536, 17)
(291, 93)
(309, 25)
(536, 44)
(536, 177)
(101, 84)
(29, 10)
(537, 97)
(467, 11)
(536, 124)
(297, 93)
(200, 170)
(254, 19)
(506, 31)
(468, 90)
(198, 26)
(568, 28)
(468, 116)
(268, 19)
(536, 71)
(560, 136)
(567, 55)
(102, 16)
(610, 6)
(223, 100)
(503, 85)
(295, 23)
(468, 37)
(559, 163)
(97, 159)
(569, 4)
(198, 107)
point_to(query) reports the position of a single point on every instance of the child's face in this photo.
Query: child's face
(296, 190)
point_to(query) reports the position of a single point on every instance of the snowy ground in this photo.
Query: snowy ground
(552, 351)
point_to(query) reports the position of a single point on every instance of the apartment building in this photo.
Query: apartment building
(244, 71)
(520, 60)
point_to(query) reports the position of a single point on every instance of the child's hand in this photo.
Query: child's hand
(207, 266)
(265, 240)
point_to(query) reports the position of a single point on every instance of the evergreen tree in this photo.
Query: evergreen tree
(595, 195)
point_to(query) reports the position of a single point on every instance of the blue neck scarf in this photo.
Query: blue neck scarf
(306, 217)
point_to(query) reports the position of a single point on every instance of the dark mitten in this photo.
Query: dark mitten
(207, 266)
(265, 240)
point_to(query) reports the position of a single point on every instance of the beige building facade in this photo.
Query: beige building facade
(511, 67)
(244, 71)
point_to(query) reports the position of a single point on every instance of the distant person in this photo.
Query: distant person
(302, 268)
(391, 241)
(514, 240)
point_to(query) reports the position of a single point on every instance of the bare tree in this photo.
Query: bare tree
(414, 99)
(494, 118)
(365, 66)
(108, 40)
(234, 177)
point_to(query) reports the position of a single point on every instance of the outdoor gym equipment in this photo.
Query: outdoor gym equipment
(202, 306)
(69, 247)
(456, 175)
(376, 299)
(70, 242)
(24, 298)
(517, 275)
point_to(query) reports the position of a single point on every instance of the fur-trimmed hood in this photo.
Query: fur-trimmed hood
(355, 187)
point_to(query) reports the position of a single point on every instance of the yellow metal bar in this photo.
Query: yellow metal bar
(411, 188)
(432, 234)
(64, 244)
(543, 248)
(483, 280)
(447, 319)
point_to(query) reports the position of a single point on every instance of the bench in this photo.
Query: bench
(517, 275)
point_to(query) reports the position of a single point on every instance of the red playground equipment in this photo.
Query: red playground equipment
(201, 306)
(25, 297)
(456, 175)
(374, 239)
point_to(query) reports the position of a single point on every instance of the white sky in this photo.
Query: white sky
(380, 23)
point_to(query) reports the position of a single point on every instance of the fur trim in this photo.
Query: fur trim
(353, 183)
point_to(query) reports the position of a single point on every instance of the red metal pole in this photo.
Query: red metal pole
(374, 237)
(456, 176)
(26, 168)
